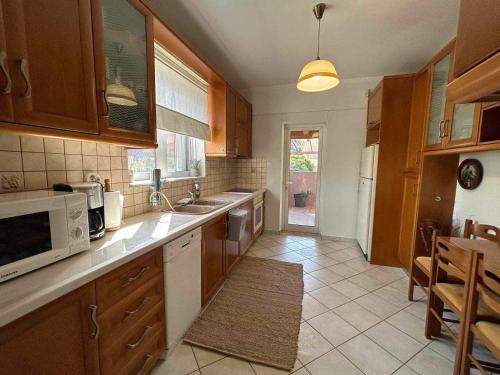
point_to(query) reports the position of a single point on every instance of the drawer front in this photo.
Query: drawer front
(120, 283)
(122, 316)
(145, 360)
(134, 342)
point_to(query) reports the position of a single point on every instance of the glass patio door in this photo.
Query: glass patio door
(302, 178)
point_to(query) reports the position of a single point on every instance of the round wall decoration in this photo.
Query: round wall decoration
(470, 174)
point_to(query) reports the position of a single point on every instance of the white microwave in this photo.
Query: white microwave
(40, 227)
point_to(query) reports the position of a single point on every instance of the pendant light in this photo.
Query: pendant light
(318, 75)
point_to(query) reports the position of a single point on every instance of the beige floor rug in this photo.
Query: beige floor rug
(256, 316)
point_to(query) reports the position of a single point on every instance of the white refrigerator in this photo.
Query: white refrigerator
(366, 197)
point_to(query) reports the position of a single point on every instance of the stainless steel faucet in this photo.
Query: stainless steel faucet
(155, 198)
(195, 191)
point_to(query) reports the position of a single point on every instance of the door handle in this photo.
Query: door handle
(26, 76)
(445, 128)
(3, 66)
(441, 133)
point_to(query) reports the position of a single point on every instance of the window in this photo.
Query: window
(182, 116)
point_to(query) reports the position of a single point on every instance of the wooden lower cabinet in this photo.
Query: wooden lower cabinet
(213, 251)
(408, 220)
(56, 339)
(91, 330)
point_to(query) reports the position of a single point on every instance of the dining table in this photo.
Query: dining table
(489, 249)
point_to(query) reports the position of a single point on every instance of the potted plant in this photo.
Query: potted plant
(194, 168)
(300, 198)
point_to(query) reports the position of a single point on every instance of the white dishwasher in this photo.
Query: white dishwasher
(182, 258)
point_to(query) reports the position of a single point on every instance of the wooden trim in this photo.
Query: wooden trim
(8, 127)
(481, 83)
(448, 47)
(164, 35)
(486, 146)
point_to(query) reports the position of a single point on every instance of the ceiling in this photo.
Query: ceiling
(266, 42)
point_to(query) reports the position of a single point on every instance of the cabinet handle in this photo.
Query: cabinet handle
(144, 302)
(3, 66)
(445, 128)
(96, 333)
(134, 345)
(441, 129)
(131, 279)
(106, 104)
(26, 76)
(144, 365)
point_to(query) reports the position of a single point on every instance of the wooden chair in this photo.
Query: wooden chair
(488, 232)
(430, 229)
(484, 291)
(448, 259)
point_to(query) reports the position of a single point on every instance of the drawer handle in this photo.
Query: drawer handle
(131, 279)
(3, 66)
(144, 365)
(144, 302)
(96, 333)
(26, 76)
(134, 345)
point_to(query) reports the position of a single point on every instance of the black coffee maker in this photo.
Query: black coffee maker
(95, 204)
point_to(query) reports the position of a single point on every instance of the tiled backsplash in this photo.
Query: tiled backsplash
(31, 163)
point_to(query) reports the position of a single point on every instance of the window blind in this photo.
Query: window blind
(181, 97)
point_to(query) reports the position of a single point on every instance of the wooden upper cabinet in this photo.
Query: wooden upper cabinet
(244, 127)
(230, 119)
(124, 48)
(478, 36)
(6, 110)
(231, 124)
(51, 63)
(440, 73)
(374, 107)
(213, 256)
(420, 100)
(55, 339)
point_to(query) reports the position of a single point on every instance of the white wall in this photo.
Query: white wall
(483, 203)
(343, 111)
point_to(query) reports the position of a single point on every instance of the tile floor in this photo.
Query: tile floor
(356, 319)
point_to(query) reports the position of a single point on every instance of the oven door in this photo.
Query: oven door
(257, 216)
(32, 234)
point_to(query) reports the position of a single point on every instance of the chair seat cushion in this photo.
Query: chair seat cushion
(491, 331)
(454, 293)
(424, 263)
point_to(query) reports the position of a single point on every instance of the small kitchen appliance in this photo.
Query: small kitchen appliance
(40, 227)
(95, 204)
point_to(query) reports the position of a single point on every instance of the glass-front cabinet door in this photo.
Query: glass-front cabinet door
(437, 109)
(125, 78)
(462, 129)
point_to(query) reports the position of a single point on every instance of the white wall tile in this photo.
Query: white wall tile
(32, 144)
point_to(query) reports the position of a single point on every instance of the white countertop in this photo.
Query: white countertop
(137, 236)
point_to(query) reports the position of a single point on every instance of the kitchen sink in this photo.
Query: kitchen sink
(201, 202)
(201, 207)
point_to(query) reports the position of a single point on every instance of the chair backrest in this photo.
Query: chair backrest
(428, 230)
(488, 285)
(453, 260)
(488, 232)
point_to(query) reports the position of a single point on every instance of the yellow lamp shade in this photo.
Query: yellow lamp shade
(318, 75)
(117, 93)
